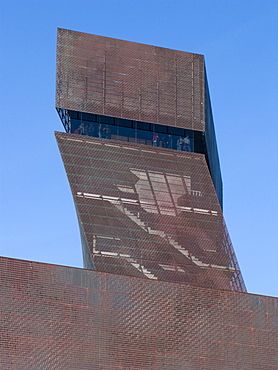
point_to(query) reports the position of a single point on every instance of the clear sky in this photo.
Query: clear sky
(239, 39)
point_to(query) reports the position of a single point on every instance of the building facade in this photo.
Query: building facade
(161, 288)
(141, 158)
(57, 317)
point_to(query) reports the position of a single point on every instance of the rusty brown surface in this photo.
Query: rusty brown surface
(149, 212)
(124, 79)
(56, 317)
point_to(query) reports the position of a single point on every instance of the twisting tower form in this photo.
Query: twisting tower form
(161, 288)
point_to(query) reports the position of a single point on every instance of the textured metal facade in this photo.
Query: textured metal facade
(149, 212)
(167, 293)
(55, 317)
(124, 79)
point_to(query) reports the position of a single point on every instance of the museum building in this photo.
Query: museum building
(161, 287)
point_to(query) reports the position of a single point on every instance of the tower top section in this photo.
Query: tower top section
(123, 79)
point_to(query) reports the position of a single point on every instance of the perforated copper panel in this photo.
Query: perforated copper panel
(125, 79)
(55, 317)
(149, 212)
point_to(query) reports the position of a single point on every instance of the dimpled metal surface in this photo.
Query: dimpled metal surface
(149, 212)
(56, 317)
(125, 79)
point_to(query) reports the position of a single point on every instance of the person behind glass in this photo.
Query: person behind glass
(169, 141)
(100, 130)
(91, 129)
(155, 139)
(179, 143)
(186, 144)
(162, 143)
(106, 132)
(86, 130)
(81, 129)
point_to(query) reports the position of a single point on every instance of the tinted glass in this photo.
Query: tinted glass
(106, 119)
(123, 122)
(143, 126)
(160, 128)
(137, 132)
(126, 134)
(144, 137)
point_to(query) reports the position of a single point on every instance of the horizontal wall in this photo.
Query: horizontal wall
(56, 317)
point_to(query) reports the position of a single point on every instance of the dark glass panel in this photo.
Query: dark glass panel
(91, 128)
(88, 117)
(211, 145)
(189, 133)
(113, 132)
(144, 137)
(74, 125)
(199, 143)
(106, 131)
(169, 141)
(160, 128)
(73, 114)
(106, 120)
(126, 134)
(176, 131)
(124, 122)
(175, 142)
(143, 126)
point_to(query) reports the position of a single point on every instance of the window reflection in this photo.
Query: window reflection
(126, 134)
(144, 137)
(132, 131)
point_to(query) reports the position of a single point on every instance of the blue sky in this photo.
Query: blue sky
(239, 41)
